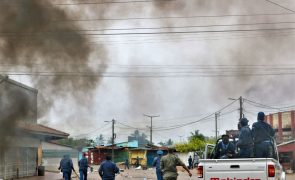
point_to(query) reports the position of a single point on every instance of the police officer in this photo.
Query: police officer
(156, 164)
(108, 169)
(66, 166)
(262, 134)
(190, 162)
(245, 142)
(168, 165)
(225, 149)
(83, 167)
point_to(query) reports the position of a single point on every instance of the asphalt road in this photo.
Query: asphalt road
(126, 175)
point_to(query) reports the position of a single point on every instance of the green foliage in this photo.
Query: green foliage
(77, 143)
(167, 143)
(196, 142)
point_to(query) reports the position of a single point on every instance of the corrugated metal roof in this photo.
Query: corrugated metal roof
(6, 79)
(288, 142)
(41, 129)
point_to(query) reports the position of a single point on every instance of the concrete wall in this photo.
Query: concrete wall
(12, 93)
(53, 153)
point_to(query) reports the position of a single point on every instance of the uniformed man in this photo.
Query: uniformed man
(83, 167)
(225, 149)
(168, 166)
(156, 164)
(66, 166)
(245, 142)
(190, 162)
(262, 134)
(108, 169)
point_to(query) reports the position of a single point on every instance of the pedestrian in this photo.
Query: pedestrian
(156, 163)
(225, 149)
(262, 136)
(190, 162)
(168, 165)
(196, 160)
(137, 162)
(108, 169)
(66, 167)
(245, 142)
(83, 167)
(126, 164)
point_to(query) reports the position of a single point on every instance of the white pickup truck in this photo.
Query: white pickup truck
(238, 168)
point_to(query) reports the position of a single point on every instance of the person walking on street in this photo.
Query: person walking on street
(83, 167)
(108, 169)
(156, 163)
(225, 149)
(262, 134)
(126, 164)
(190, 162)
(245, 142)
(66, 166)
(168, 165)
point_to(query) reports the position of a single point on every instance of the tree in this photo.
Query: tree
(140, 137)
(197, 135)
(100, 140)
(196, 142)
(77, 143)
(167, 143)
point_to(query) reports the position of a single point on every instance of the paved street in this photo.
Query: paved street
(130, 174)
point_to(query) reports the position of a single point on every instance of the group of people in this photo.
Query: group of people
(166, 165)
(255, 142)
(107, 169)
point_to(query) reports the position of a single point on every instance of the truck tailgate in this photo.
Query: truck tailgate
(235, 170)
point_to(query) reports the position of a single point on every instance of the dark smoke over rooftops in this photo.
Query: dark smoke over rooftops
(31, 37)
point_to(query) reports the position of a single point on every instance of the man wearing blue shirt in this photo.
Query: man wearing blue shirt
(262, 134)
(245, 142)
(108, 169)
(225, 149)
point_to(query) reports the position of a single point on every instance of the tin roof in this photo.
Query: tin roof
(284, 143)
(42, 130)
(8, 80)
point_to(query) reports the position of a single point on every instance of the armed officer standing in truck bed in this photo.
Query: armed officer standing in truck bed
(262, 134)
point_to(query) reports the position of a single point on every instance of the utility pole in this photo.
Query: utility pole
(216, 131)
(241, 107)
(151, 129)
(113, 139)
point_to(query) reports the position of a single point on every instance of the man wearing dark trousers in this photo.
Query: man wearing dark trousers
(108, 169)
(83, 167)
(262, 134)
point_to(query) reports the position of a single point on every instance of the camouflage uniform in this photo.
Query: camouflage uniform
(168, 166)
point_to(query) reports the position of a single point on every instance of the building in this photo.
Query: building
(284, 125)
(287, 155)
(53, 152)
(20, 135)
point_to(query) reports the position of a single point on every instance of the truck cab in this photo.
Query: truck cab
(239, 168)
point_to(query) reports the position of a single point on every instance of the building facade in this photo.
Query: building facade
(20, 135)
(284, 125)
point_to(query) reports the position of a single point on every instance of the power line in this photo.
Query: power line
(110, 2)
(178, 17)
(150, 28)
(152, 33)
(280, 6)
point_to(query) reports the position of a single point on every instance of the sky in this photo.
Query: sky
(183, 60)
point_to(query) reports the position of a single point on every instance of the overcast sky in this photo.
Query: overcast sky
(222, 49)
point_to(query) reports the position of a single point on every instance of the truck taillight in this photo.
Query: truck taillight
(271, 170)
(200, 171)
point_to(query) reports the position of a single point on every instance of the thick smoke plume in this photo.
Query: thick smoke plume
(13, 108)
(33, 35)
(35, 39)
